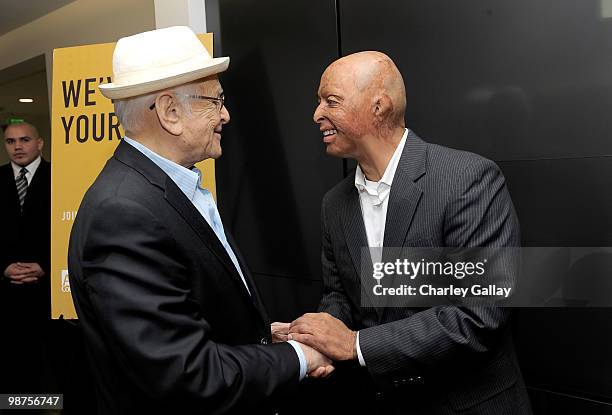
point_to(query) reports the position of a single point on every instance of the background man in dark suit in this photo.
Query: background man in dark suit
(24, 258)
(170, 313)
(406, 192)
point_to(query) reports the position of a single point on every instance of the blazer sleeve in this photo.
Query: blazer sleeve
(138, 288)
(334, 300)
(480, 213)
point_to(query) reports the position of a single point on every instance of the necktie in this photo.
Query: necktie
(22, 185)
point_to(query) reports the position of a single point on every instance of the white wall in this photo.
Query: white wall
(79, 23)
(190, 13)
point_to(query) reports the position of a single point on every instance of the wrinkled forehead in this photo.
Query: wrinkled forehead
(209, 85)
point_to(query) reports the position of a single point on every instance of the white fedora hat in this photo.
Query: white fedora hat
(159, 59)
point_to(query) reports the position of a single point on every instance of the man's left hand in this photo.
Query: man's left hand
(279, 331)
(325, 333)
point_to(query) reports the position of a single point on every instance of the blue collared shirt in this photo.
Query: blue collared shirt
(189, 182)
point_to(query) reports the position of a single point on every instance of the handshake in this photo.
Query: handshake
(323, 339)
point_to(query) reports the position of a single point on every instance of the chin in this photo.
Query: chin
(333, 150)
(21, 162)
(216, 154)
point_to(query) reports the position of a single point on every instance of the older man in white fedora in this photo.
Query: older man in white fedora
(172, 319)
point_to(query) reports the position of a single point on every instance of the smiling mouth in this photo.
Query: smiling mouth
(328, 135)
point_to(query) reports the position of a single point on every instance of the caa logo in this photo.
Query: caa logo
(65, 281)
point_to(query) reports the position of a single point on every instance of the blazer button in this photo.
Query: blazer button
(263, 340)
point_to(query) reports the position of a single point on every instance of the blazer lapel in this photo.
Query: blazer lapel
(405, 193)
(357, 243)
(11, 186)
(404, 196)
(403, 201)
(185, 208)
(40, 179)
(130, 156)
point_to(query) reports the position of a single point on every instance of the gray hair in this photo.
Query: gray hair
(131, 111)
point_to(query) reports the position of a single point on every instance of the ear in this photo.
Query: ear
(383, 107)
(41, 143)
(170, 113)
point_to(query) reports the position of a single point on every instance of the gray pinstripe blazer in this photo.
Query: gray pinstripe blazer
(458, 359)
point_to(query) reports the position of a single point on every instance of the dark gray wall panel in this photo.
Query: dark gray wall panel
(506, 79)
(518, 82)
(567, 350)
(274, 171)
(546, 402)
(288, 298)
(511, 80)
(565, 202)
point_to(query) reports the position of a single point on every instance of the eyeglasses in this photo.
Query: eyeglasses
(221, 99)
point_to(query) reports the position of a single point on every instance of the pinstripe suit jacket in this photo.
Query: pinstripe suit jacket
(453, 359)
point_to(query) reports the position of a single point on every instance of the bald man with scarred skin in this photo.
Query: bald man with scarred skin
(406, 192)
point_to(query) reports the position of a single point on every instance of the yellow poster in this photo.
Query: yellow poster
(85, 132)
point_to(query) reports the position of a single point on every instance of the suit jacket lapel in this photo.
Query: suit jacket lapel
(12, 185)
(138, 161)
(185, 208)
(38, 180)
(357, 243)
(404, 196)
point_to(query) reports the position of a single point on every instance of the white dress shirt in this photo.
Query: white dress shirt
(31, 168)
(374, 200)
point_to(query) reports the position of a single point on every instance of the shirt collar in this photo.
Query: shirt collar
(387, 178)
(187, 180)
(360, 183)
(31, 168)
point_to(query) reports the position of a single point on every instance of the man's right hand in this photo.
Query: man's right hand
(319, 365)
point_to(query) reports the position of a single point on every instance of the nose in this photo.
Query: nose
(317, 117)
(225, 116)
